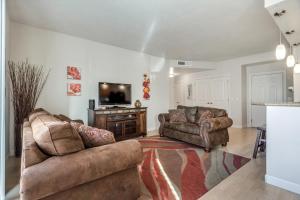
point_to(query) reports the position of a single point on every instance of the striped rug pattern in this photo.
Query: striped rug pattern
(174, 170)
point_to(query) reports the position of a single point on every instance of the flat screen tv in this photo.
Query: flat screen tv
(114, 94)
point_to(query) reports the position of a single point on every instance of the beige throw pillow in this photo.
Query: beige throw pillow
(55, 137)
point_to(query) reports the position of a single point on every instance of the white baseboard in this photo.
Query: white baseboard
(287, 185)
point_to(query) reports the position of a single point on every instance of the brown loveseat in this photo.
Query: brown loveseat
(104, 172)
(208, 133)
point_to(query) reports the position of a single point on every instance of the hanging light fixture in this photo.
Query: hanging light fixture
(171, 72)
(297, 68)
(280, 50)
(290, 61)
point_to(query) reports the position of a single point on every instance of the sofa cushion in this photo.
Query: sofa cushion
(31, 153)
(190, 113)
(177, 115)
(55, 137)
(217, 112)
(62, 117)
(93, 137)
(184, 127)
(60, 173)
(203, 115)
(37, 112)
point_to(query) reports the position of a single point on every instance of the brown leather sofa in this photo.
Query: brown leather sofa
(104, 172)
(208, 133)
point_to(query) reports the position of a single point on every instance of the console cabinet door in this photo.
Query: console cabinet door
(101, 121)
(143, 123)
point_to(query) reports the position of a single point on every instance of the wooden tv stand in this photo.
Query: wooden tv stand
(125, 123)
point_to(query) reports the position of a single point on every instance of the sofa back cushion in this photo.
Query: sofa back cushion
(31, 153)
(190, 113)
(55, 137)
(217, 112)
(37, 112)
(203, 115)
(177, 115)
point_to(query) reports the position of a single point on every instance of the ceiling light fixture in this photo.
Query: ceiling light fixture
(290, 32)
(280, 50)
(290, 61)
(279, 14)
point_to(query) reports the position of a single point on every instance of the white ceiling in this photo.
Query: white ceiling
(209, 30)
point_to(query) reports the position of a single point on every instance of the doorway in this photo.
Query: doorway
(264, 87)
(2, 100)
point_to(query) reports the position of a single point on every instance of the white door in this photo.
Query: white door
(219, 93)
(202, 92)
(265, 88)
(213, 92)
(179, 94)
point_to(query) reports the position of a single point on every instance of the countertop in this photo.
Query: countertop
(292, 104)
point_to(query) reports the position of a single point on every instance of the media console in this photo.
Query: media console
(125, 123)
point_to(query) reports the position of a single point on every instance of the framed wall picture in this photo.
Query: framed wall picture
(74, 89)
(73, 73)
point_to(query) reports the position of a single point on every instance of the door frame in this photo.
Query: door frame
(227, 77)
(249, 88)
(2, 101)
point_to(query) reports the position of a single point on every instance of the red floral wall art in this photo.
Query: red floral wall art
(73, 73)
(74, 89)
(146, 85)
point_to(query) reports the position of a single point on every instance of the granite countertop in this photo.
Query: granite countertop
(292, 104)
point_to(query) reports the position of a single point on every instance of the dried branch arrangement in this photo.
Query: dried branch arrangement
(27, 82)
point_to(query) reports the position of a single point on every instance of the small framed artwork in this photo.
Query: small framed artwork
(74, 89)
(73, 73)
(190, 91)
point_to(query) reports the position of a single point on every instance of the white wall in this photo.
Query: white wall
(98, 62)
(7, 91)
(232, 68)
(283, 147)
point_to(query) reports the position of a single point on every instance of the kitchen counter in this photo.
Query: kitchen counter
(293, 104)
(283, 146)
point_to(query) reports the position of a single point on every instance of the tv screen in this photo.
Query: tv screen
(114, 94)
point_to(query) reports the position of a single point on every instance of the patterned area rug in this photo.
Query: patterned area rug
(176, 170)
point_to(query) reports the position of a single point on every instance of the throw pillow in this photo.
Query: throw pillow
(62, 117)
(93, 137)
(204, 115)
(190, 113)
(177, 115)
(37, 112)
(55, 137)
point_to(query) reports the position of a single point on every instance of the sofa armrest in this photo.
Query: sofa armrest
(163, 117)
(60, 173)
(218, 123)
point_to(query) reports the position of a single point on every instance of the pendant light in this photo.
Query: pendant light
(297, 66)
(290, 61)
(280, 50)
(171, 72)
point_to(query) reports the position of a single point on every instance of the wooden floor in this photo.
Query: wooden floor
(246, 183)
